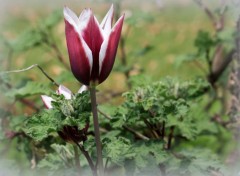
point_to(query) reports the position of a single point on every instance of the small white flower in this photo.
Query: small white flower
(62, 90)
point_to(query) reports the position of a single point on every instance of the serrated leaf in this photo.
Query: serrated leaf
(51, 161)
(117, 150)
(17, 122)
(41, 125)
(144, 151)
(202, 162)
(64, 151)
(31, 88)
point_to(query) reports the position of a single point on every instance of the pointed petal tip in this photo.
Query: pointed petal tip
(106, 24)
(112, 7)
(119, 22)
(82, 89)
(62, 90)
(47, 101)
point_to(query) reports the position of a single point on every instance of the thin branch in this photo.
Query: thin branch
(59, 55)
(150, 127)
(214, 76)
(163, 130)
(137, 134)
(200, 66)
(169, 144)
(87, 156)
(29, 103)
(52, 44)
(106, 165)
(207, 11)
(104, 114)
(29, 68)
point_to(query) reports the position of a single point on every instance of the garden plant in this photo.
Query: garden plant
(98, 98)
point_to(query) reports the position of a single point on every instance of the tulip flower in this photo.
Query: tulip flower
(92, 47)
(62, 90)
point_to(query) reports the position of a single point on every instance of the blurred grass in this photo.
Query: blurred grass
(171, 35)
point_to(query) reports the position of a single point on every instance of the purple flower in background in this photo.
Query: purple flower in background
(92, 47)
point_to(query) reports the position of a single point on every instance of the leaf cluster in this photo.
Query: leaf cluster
(167, 101)
(73, 112)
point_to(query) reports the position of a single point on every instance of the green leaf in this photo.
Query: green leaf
(31, 88)
(17, 122)
(42, 125)
(65, 152)
(26, 40)
(198, 162)
(204, 42)
(51, 161)
(147, 150)
(117, 150)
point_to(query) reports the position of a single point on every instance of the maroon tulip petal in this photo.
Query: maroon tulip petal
(79, 60)
(92, 35)
(110, 47)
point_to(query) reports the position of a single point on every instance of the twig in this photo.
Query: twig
(29, 103)
(169, 144)
(29, 68)
(200, 66)
(207, 11)
(106, 164)
(214, 76)
(217, 119)
(59, 55)
(150, 127)
(141, 136)
(52, 44)
(209, 61)
(105, 115)
(163, 129)
(87, 156)
(135, 133)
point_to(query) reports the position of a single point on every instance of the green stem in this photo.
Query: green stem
(96, 130)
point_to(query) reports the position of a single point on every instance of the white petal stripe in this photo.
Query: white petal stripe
(106, 23)
(47, 101)
(82, 89)
(62, 90)
(102, 52)
(104, 45)
(71, 17)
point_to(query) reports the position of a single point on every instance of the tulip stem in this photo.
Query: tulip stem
(96, 130)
